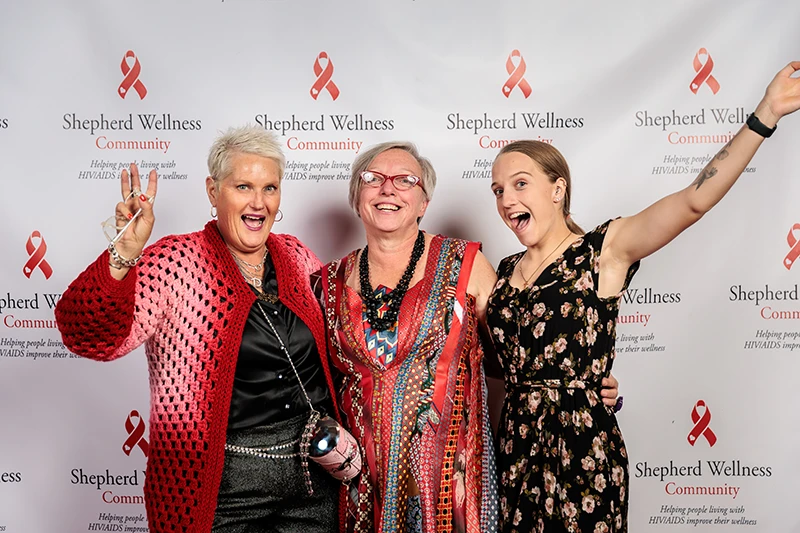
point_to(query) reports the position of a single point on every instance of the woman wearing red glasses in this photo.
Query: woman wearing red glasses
(403, 316)
(403, 332)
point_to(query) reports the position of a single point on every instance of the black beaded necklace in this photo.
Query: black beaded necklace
(395, 297)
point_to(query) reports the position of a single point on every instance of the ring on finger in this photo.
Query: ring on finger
(133, 194)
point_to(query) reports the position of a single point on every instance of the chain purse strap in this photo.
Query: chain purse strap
(289, 357)
(308, 431)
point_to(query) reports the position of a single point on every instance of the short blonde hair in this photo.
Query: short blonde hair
(363, 161)
(243, 140)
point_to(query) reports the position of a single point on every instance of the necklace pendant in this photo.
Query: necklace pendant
(268, 297)
(256, 282)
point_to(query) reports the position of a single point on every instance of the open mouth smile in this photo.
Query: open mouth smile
(253, 222)
(519, 220)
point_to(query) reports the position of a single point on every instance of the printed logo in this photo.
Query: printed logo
(516, 75)
(135, 434)
(324, 76)
(794, 245)
(703, 71)
(36, 259)
(131, 78)
(701, 424)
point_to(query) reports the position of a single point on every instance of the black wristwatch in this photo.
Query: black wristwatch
(757, 126)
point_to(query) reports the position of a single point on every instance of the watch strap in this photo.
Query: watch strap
(757, 126)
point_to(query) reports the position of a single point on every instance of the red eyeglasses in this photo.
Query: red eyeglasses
(401, 182)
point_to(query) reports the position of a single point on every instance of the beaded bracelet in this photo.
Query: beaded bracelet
(121, 260)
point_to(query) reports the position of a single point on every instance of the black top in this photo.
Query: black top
(265, 388)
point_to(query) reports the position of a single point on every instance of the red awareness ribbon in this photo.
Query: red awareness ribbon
(36, 259)
(131, 76)
(701, 425)
(517, 75)
(324, 80)
(794, 244)
(135, 435)
(703, 73)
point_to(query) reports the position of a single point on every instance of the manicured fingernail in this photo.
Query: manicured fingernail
(130, 216)
(142, 197)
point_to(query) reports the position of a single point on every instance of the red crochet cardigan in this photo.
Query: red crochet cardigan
(188, 303)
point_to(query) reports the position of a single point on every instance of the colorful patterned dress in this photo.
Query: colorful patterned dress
(416, 401)
(561, 458)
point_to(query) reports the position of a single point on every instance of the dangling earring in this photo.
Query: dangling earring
(281, 214)
(213, 212)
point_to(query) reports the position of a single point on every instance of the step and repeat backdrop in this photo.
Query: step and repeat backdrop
(638, 96)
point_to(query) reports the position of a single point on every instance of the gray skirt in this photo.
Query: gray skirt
(269, 494)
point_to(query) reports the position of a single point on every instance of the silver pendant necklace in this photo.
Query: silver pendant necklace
(253, 278)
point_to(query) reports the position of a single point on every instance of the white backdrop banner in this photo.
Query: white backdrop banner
(637, 95)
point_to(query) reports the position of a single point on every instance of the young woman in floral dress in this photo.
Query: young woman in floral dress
(562, 461)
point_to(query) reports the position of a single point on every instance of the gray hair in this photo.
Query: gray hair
(243, 140)
(363, 161)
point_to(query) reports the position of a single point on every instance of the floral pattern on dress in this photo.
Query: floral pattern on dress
(562, 462)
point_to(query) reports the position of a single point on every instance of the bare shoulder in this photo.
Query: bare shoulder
(609, 253)
(482, 278)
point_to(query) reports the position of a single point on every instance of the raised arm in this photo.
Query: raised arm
(105, 313)
(632, 238)
(136, 208)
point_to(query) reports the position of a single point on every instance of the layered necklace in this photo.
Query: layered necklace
(252, 273)
(394, 298)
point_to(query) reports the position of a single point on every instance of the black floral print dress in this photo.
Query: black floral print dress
(562, 462)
